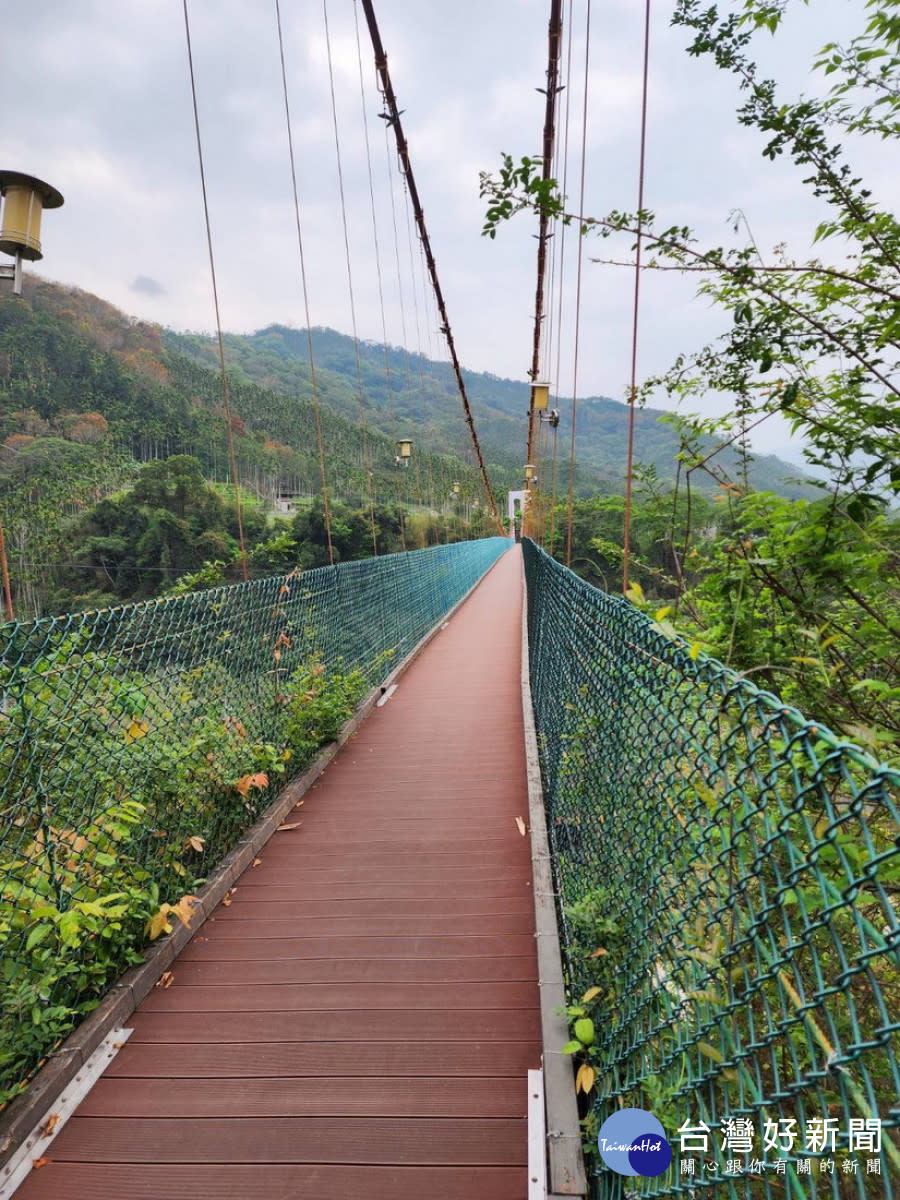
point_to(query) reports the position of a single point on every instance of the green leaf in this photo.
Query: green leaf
(38, 934)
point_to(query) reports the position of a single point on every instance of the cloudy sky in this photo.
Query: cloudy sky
(96, 100)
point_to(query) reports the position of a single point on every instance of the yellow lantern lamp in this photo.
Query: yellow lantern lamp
(455, 489)
(530, 473)
(24, 200)
(405, 447)
(540, 396)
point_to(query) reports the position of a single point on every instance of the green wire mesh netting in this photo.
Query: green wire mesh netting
(727, 875)
(138, 743)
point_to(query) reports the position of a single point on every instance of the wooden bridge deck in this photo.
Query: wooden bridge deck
(358, 1022)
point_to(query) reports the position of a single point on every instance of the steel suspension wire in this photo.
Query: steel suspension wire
(561, 287)
(554, 35)
(420, 370)
(632, 392)
(377, 247)
(359, 383)
(407, 370)
(393, 119)
(326, 502)
(226, 394)
(584, 116)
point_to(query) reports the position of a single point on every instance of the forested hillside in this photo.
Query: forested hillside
(404, 389)
(87, 396)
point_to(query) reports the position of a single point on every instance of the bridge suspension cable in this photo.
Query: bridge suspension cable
(367, 471)
(632, 391)
(392, 116)
(559, 250)
(326, 502)
(570, 506)
(226, 394)
(554, 37)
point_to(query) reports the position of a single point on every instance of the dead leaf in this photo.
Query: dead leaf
(284, 828)
(165, 980)
(260, 781)
(184, 909)
(52, 1123)
(37, 1163)
(584, 1080)
(520, 824)
(256, 862)
(159, 923)
(194, 843)
(598, 953)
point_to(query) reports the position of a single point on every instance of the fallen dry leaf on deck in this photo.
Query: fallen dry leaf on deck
(37, 1163)
(165, 980)
(256, 862)
(52, 1123)
(282, 828)
(521, 825)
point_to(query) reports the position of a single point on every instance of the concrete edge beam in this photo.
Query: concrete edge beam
(566, 1170)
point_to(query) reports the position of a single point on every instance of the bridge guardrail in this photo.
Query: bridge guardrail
(138, 743)
(728, 875)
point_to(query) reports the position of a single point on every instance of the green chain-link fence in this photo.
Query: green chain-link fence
(728, 874)
(138, 743)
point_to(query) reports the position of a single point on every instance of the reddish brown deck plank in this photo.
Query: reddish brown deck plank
(301, 997)
(376, 1140)
(278, 1060)
(360, 1019)
(224, 947)
(111, 1181)
(354, 970)
(409, 1096)
(348, 1025)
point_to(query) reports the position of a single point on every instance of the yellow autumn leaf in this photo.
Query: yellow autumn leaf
(184, 909)
(591, 993)
(194, 843)
(694, 651)
(159, 923)
(584, 1080)
(662, 613)
(137, 729)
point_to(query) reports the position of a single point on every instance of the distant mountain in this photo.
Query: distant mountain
(407, 393)
(66, 355)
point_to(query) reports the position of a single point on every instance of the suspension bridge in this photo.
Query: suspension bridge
(531, 796)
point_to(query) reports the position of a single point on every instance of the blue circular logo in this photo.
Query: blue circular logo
(633, 1142)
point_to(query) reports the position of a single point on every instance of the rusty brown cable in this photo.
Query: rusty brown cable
(393, 119)
(226, 395)
(326, 502)
(632, 391)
